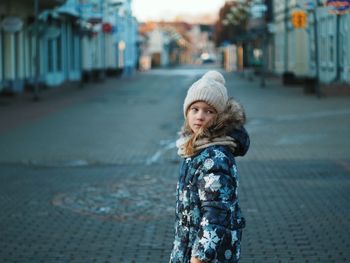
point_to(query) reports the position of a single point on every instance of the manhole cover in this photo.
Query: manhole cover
(144, 198)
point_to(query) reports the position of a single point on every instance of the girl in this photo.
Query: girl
(209, 224)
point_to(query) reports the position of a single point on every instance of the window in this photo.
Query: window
(342, 52)
(54, 54)
(312, 46)
(18, 55)
(343, 43)
(50, 55)
(331, 40)
(1, 58)
(59, 53)
(331, 49)
(71, 50)
(323, 43)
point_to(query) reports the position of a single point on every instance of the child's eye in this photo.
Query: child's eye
(194, 109)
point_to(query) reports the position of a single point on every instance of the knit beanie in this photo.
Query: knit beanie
(210, 89)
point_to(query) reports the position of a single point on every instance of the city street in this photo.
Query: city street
(89, 174)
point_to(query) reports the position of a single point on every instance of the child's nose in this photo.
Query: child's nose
(200, 115)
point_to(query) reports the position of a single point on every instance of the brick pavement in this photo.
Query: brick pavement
(297, 211)
(74, 188)
(39, 230)
(21, 109)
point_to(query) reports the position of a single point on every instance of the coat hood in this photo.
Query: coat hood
(230, 123)
(232, 118)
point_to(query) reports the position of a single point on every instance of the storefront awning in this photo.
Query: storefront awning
(68, 11)
(30, 4)
(69, 8)
(48, 4)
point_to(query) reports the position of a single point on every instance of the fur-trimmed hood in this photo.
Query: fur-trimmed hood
(231, 119)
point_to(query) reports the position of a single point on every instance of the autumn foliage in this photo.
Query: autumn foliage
(235, 26)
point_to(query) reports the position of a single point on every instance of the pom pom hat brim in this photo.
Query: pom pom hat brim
(210, 89)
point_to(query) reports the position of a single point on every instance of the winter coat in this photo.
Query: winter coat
(208, 222)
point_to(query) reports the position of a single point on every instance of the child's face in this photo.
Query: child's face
(199, 115)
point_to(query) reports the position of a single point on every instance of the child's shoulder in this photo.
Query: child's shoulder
(216, 157)
(216, 152)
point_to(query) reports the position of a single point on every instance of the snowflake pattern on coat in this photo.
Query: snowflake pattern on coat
(209, 240)
(208, 222)
(212, 182)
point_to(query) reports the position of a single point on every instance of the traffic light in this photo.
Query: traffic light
(299, 19)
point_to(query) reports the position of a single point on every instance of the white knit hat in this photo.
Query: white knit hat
(210, 89)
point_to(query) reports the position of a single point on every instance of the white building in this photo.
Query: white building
(295, 48)
(333, 46)
(291, 45)
(158, 47)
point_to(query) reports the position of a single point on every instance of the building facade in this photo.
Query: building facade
(65, 41)
(21, 37)
(333, 38)
(291, 45)
(295, 48)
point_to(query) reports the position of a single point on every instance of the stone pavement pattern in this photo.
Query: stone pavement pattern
(92, 178)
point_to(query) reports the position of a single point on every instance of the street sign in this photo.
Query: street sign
(12, 24)
(339, 7)
(299, 19)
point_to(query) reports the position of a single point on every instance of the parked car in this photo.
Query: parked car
(207, 58)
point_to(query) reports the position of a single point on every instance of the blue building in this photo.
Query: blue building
(75, 40)
(126, 38)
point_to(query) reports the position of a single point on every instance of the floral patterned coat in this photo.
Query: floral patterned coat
(208, 222)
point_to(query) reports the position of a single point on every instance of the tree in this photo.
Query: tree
(232, 22)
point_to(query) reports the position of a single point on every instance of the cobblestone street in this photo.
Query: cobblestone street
(89, 174)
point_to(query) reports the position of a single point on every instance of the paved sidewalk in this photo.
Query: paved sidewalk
(89, 175)
(21, 109)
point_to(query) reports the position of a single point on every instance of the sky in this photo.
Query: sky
(168, 9)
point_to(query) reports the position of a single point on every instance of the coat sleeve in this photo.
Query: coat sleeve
(217, 188)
